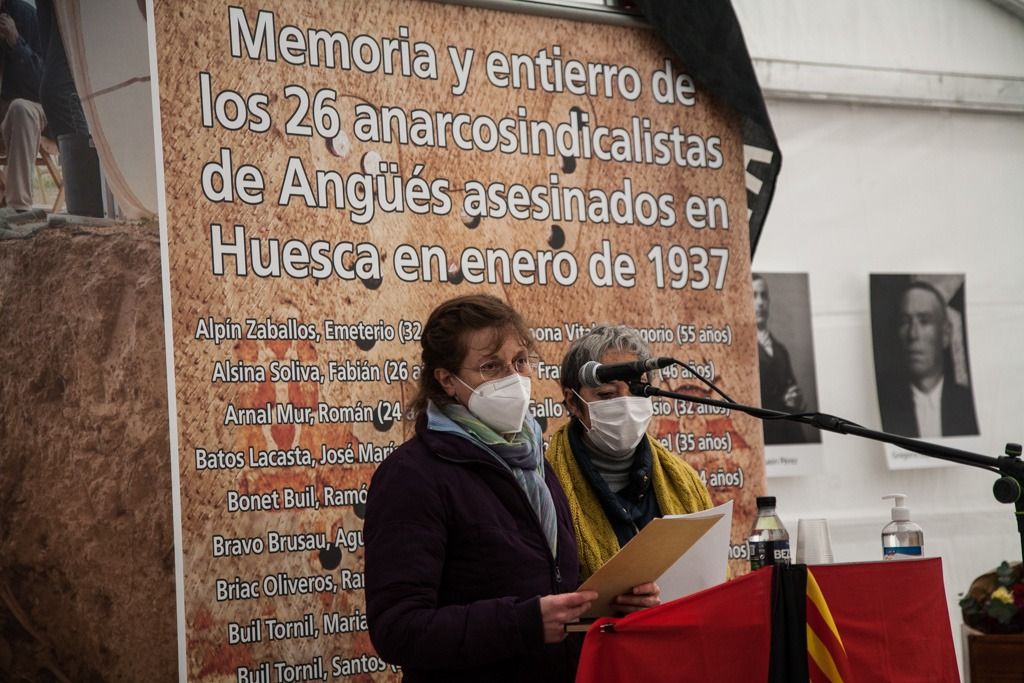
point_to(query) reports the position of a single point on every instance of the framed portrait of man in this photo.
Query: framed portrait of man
(922, 368)
(785, 351)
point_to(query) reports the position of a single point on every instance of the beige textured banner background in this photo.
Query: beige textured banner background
(193, 38)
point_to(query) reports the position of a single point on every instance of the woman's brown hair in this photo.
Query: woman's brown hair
(444, 336)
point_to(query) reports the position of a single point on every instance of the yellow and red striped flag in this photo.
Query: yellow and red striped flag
(827, 661)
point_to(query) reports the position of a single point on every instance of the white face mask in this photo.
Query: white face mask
(501, 403)
(618, 424)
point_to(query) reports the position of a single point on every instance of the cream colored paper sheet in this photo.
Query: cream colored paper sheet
(645, 558)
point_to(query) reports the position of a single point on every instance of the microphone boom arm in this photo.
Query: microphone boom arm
(1009, 488)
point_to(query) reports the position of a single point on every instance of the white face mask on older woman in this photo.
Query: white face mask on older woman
(618, 424)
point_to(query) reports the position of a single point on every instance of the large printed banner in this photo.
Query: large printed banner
(335, 170)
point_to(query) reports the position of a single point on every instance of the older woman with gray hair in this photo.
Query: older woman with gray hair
(616, 477)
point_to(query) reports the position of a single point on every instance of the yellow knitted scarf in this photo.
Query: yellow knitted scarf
(677, 488)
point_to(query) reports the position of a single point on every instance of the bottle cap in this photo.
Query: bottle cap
(900, 513)
(765, 502)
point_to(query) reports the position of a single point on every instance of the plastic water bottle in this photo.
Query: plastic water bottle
(768, 543)
(901, 538)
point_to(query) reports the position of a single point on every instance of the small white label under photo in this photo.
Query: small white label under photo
(901, 459)
(792, 460)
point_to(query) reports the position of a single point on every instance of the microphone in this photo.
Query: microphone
(594, 374)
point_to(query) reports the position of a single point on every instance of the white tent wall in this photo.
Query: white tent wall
(870, 183)
(870, 189)
(976, 37)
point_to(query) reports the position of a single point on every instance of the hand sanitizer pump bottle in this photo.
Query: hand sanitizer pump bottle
(901, 538)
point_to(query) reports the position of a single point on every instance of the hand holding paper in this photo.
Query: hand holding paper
(643, 559)
(670, 550)
(637, 598)
(558, 610)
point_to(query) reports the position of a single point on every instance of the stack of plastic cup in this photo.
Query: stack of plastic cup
(813, 542)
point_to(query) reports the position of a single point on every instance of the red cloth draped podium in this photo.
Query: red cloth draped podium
(869, 622)
(893, 620)
(718, 635)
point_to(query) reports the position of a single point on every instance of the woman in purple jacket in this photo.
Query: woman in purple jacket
(471, 564)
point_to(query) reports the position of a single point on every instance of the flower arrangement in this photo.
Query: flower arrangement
(995, 601)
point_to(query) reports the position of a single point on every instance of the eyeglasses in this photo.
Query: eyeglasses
(493, 369)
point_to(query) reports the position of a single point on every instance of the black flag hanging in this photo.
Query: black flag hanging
(706, 37)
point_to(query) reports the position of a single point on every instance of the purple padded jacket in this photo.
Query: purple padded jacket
(456, 563)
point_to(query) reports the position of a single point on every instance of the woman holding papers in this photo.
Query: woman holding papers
(616, 477)
(471, 564)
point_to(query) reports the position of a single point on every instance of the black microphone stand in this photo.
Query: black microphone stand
(1008, 488)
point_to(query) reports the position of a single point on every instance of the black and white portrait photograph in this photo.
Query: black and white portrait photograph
(922, 369)
(785, 352)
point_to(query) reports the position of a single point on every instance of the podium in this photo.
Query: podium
(872, 622)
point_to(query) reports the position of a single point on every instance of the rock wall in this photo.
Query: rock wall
(86, 540)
